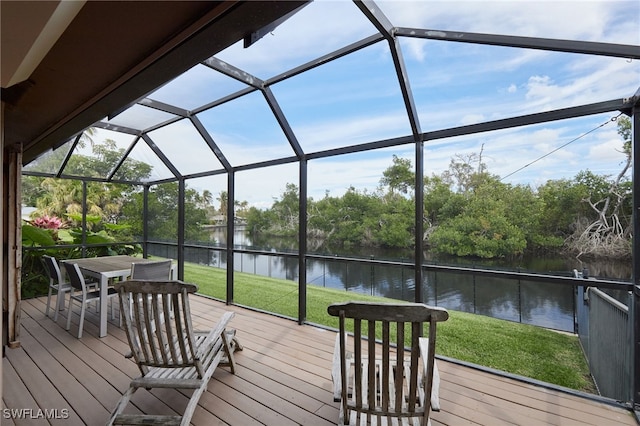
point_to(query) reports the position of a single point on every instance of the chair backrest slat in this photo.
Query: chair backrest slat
(357, 336)
(371, 368)
(390, 383)
(416, 331)
(399, 366)
(162, 340)
(386, 350)
(178, 307)
(159, 325)
(164, 319)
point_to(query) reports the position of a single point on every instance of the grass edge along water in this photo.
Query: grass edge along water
(515, 348)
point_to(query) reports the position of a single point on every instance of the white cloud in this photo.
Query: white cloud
(472, 119)
(454, 84)
(607, 153)
(540, 91)
(317, 29)
(352, 130)
(546, 18)
(259, 187)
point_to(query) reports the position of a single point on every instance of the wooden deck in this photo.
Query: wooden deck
(283, 378)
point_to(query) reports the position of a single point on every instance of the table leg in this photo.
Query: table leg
(104, 286)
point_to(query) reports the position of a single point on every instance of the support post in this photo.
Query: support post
(12, 228)
(181, 226)
(85, 209)
(302, 244)
(419, 222)
(635, 152)
(231, 199)
(145, 221)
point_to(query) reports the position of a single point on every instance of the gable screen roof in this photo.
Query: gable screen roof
(343, 77)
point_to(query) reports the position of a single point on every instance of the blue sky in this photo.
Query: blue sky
(357, 99)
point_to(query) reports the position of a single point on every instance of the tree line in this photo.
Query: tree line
(469, 212)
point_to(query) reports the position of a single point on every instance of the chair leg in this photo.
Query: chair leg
(48, 300)
(230, 345)
(59, 303)
(81, 324)
(69, 312)
(122, 404)
(57, 306)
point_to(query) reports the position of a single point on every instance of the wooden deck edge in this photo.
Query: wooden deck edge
(523, 379)
(541, 384)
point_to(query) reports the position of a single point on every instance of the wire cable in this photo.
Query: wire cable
(612, 119)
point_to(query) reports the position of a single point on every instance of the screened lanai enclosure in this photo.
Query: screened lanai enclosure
(323, 103)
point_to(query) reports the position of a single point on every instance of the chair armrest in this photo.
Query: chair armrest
(214, 334)
(435, 388)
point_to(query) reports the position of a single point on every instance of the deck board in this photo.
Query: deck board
(283, 378)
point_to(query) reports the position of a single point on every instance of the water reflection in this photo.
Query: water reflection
(536, 303)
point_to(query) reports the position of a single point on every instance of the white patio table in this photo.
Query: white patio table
(104, 268)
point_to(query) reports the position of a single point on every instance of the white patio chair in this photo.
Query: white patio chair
(58, 284)
(86, 295)
(152, 271)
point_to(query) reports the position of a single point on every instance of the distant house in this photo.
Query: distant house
(26, 212)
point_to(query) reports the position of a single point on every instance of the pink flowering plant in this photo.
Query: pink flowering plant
(44, 233)
(47, 222)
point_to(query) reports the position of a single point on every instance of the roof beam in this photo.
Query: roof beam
(210, 142)
(233, 72)
(161, 156)
(537, 118)
(283, 122)
(161, 106)
(556, 45)
(353, 47)
(380, 21)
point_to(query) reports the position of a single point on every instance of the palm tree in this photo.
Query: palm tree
(223, 198)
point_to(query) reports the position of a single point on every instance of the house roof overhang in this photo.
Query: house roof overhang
(63, 70)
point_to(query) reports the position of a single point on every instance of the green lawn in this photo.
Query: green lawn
(520, 349)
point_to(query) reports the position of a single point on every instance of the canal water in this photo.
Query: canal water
(529, 302)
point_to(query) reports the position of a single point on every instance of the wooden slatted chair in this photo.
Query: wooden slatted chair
(168, 352)
(377, 384)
